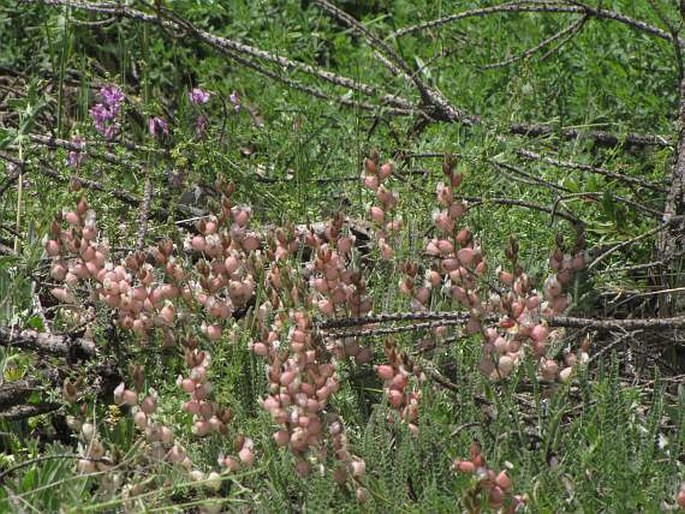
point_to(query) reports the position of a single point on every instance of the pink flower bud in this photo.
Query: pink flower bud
(465, 466)
(281, 437)
(148, 405)
(371, 182)
(385, 171)
(358, 468)
(52, 248)
(231, 464)
(140, 419)
(72, 218)
(214, 332)
(395, 398)
(62, 295)
(246, 456)
(385, 372)
(503, 481)
(465, 256)
(399, 381)
(376, 214)
(565, 374)
(539, 333)
(505, 365)
(201, 428)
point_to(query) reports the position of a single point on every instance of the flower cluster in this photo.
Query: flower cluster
(461, 262)
(519, 309)
(374, 178)
(105, 114)
(522, 312)
(207, 417)
(301, 379)
(335, 286)
(396, 376)
(496, 488)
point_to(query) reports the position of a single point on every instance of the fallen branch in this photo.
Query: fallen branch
(598, 136)
(530, 155)
(46, 343)
(462, 317)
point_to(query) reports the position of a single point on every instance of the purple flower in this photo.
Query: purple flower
(100, 114)
(103, 119)
(113, 96)
(104, 114)
(156, 123)
(235, 100)
(198, 96)
(110, 131)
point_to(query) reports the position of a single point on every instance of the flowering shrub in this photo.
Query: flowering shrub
(287, 280)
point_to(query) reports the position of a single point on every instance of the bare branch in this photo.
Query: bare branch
(515, 202)
(540, 7)
(555, 321)
(45, 343)
(569, 31)
(528, 154)
(599, 136)
(441, 107)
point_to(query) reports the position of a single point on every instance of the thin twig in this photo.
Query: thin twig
(528, 154)
(570, 30)
(627, 242)
(515, 202)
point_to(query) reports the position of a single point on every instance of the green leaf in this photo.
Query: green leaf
(36, 323)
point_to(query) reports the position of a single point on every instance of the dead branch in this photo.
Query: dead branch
(433, 102)
(540, 7)
(515, 202)
(564, 34)
(232, 48)
(18, 412)
(598, 136)
(528, 154)
(63, 345)
(555, 321)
